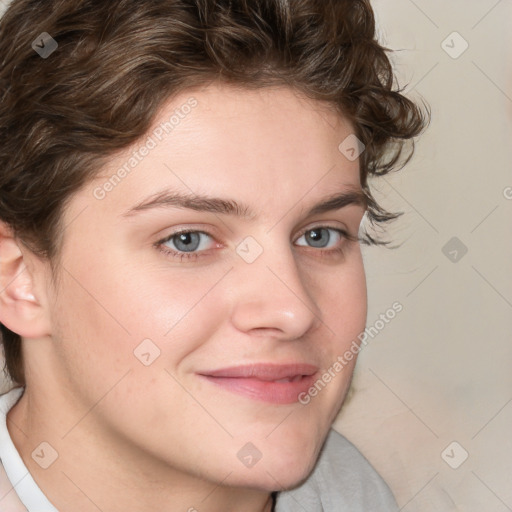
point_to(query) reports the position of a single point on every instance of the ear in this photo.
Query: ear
(20, 310)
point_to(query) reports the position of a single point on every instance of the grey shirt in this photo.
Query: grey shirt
(342, 481)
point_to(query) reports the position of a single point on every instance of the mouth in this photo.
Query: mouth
(271, 383)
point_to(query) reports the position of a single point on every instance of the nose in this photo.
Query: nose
(271, 296)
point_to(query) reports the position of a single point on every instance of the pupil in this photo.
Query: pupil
(317, 239)
(185, 238)
(187, 241)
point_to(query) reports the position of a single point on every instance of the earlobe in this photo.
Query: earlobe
(20, 311)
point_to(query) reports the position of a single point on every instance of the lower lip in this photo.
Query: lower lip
(265, 391)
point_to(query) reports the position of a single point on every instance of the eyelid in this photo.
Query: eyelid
(182, 229)
(318, 224)
(207, 229)
(193, 255)
(345, 232)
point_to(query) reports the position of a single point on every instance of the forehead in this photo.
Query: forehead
(266, 147)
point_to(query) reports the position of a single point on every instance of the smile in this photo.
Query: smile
(276, 384)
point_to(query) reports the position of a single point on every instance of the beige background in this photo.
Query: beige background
(441, 370)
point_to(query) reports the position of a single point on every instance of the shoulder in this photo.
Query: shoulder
(9, 501)
(342, 480)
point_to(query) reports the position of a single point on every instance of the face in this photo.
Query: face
(204, 290)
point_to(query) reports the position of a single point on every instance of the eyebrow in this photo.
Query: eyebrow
(203, 203)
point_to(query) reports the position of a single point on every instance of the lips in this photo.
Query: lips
(278, 384)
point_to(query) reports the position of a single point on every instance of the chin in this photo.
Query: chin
(276, 477)
(283, 465)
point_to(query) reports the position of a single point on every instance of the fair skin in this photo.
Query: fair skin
(132, 437)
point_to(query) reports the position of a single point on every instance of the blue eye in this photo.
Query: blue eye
(186, 242)
(191, 245)
(321, 237)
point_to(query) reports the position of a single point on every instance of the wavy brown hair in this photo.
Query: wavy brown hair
(119, 61)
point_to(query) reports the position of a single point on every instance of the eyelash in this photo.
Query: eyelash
(193, 256)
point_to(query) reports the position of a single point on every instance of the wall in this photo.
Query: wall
(440, 371)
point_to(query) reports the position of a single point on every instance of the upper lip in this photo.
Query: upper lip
(264, 371)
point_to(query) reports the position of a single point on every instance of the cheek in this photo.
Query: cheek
(343, 301)
(106, 314)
